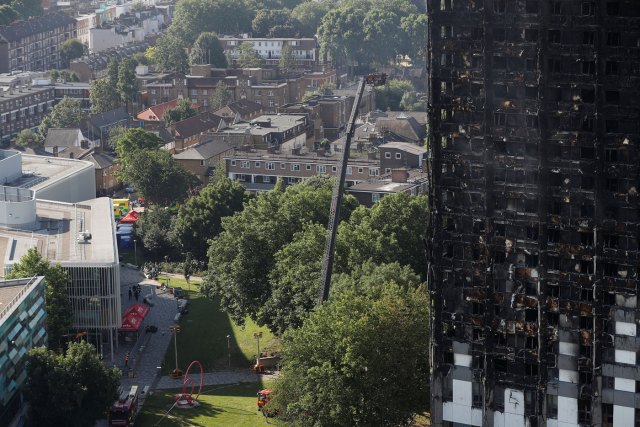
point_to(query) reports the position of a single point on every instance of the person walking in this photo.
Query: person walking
(130, 294)
(126, 360)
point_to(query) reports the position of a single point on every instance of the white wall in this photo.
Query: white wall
(75, 188)
(10, 166)
(17, 206)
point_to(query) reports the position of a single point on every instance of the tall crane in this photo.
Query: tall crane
(374, 79)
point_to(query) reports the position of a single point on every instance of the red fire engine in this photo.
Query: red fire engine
(123, 411)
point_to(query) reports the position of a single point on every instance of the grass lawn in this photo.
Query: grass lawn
(203, 336)
(234, 405)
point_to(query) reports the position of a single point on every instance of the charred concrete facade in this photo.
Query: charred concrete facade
(535, 227)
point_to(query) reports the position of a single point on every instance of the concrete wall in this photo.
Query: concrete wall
(17, 206)
(72, 189)
(10, 166)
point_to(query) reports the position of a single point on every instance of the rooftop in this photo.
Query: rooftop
(11, 291)
(39, 172)
(203, 151)
(55, 234)
(35, 25)
(405, 146)
(308, 157)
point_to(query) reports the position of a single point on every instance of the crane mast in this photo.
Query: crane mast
(338, 191)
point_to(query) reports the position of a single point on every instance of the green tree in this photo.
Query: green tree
(7, 14)
(199, 219)
(67, 113)
(389, 96)
(220, 97)
(133, 140)
(155, 230)
(170, 54)
(71, 49)
(275, 23)
(115, 133)
(362, 359)
(75, 389)
(248, 57)
(208, 50)
(382, 36)
(415, 27)
(393, 230)
(193, 17)
(27, 137)
(287, 58)
(342, 36)
(127, 88)
(158, 176)
(102, 97)
(140, 58)
(310, 14)
(242, 255)
(410, 102)
(59, 315)
(295, 280)
(112, 73)
(182, 111)
(27, 8)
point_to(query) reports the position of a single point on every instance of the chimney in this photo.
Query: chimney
(55, 151)
(399, 175)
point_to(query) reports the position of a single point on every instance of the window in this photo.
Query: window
(398, 156)
(530, 35)
(334, 169)
(283, 166)
(588, 67)
(532, 121)
(588, 95)
(499, 119)
(556, 8)
(499, 63)
(270, 166)
(205, 92)
(387, 170)
(308, 167)
(257, 164)
(374, 171)
(612, 97)
(555, 65)
(588, 8)
(531, 64)
(613, 8)
(611, 68)
(321, 169)
(295, 167)
(360, 170)
(349, 170)
(588, 38)
(201, 162)
(499, 6)
(531, 6)
(554, 36)
(375, 197)
(611, 125)
(233, 162)
(445, 5)
(531, 92)
(613, 38)
(499, 35)
(387, 155)
(245, 164)
(194, 92)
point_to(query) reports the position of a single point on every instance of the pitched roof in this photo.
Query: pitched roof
(407, 127)
(244, 107)
(109, 117)
(39, 24)
(67, 137)
(405, 146)
(100, 160)
(156, 113)
(204, 151)
(197, 124)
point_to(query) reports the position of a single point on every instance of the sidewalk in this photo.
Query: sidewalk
(216, 378)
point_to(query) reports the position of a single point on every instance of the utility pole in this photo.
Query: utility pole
(229, 349)
(174, 330)
(257, 336)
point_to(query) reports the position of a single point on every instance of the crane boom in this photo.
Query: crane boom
(338, 190)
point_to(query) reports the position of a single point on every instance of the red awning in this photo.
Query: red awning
(130, 218)
(133, 317)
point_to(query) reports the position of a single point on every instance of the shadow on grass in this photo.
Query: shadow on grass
(232, 405)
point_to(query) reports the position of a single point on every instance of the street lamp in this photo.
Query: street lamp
(135, 251)
(174, 330)
(229, 349)
(257, 336)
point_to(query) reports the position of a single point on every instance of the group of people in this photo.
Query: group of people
(135, 291)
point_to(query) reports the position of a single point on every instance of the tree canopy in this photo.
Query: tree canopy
(220, 97)
(74, 389)
(310, 14)
(287, 58)
(208, 50)
(275, 23)
(193, 17)
(155, 230)
(158, 176)
(248, 57)
(182, 111)
(389, 96)
(243, 254)
(7, 14)
(361, 359)
(28, 138)
(132, 140)
(71, 49)
(67, 113)
(170, 53)
(127, 86)
(200, 218)
(102, 96)
(59, 314)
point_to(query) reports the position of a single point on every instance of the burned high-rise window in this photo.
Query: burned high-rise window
(535, 213)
